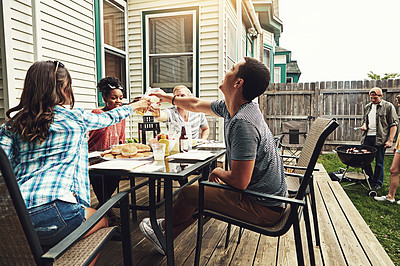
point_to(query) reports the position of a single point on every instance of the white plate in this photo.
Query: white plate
(130, 159)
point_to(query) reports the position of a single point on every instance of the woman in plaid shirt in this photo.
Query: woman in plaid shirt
(45, 140)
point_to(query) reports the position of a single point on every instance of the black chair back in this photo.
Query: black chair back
(19, 240)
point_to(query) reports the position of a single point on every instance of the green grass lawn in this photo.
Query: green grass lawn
(382, 217)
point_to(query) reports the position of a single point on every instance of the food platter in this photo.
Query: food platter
(146, 157)
(129, 151)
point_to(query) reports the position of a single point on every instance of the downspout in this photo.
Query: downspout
(253, 15)
(254, 19)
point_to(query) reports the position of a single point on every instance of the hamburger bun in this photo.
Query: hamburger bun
(120, 156)
(108, 156)
(129, 150)
(138, 155)
(105, 152)
(143, 147)
(146, 154)
(116, 150)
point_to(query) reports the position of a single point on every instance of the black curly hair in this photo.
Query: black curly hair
(107, 84)
(256, 78)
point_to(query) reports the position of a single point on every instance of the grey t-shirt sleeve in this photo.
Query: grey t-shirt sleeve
(244, 140)
(219, 107)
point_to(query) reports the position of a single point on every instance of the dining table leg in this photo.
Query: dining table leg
(169, 220)
(153, 215)
(133, 198)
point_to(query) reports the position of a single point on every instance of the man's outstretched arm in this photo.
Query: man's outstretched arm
(189, 103)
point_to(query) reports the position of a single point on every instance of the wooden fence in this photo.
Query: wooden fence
(343, 100)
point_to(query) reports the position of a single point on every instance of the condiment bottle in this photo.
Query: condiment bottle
(183, 141)
(163, 139)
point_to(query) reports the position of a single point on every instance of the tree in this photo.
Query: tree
(374, 76)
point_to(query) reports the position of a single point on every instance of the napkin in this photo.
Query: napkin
(192, 155)
(118, 165)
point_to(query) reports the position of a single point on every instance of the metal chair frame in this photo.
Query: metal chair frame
(291, 216)
(29, 243)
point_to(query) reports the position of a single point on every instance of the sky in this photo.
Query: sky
(341, 40)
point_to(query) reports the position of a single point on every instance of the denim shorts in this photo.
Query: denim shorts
(55, 220)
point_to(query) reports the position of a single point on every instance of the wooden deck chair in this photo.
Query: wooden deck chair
(20, 243)
(292, 137)
(295, 206)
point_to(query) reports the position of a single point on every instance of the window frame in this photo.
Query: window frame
(229, 60)
(146, 16)
(102, 47)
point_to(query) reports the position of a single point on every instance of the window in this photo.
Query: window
(171, 49)
(289, 80)
(114, 42)
(267, 58)
(249, 46)
(277, 75)
(231, 45)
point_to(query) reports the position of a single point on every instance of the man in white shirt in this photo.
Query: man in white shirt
(177, 117)
(380, 126)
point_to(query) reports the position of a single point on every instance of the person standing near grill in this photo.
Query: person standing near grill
(379, 128)
(394, 170)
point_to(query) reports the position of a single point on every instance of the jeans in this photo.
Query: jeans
(375, 178)
(55, 220)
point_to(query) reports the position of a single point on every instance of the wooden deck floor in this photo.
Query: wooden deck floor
(345, 238)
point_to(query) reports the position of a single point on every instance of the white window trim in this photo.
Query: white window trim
(105, 46)
(228, 57)
(194, 53)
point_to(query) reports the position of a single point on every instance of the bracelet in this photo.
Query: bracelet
(173, 99)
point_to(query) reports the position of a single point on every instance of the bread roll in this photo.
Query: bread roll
(120, 156)
(129, 150)
(105, 152)
(143, 147)
(138, 155)
(116, 150)
(108, 156)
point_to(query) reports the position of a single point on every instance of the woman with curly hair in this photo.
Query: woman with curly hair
(45, 140)
(99, 140)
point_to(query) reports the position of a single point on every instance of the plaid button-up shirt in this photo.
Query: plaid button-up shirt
(58, 166)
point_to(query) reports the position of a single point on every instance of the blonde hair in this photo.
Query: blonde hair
(182, 87)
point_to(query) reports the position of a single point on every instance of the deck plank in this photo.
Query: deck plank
(370, 244)
(245, 253)
(345, 237)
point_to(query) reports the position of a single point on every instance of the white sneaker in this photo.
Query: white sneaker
(384, 198)
(398, 202)
(148, 232)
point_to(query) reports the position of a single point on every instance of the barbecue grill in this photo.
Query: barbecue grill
(357, 160)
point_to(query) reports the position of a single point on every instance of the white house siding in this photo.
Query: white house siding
(209, 55)
(18, 48)
(50, 30)
(67, 34)
(268, 38)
